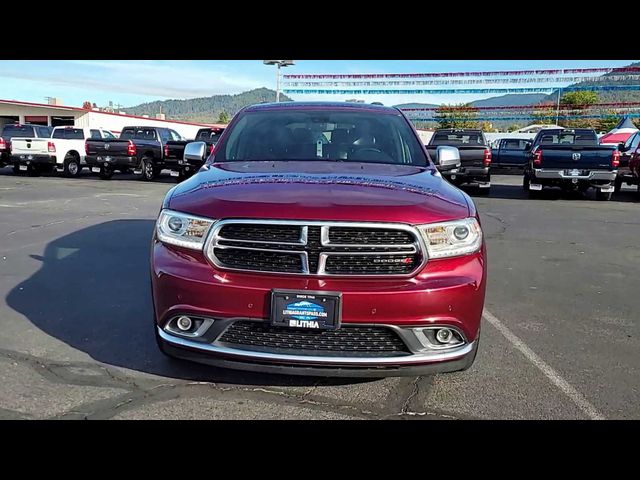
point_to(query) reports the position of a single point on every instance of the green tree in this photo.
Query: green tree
(457, 116)
(609, 121)
(544, 116)
(223, 117)
(577, 103)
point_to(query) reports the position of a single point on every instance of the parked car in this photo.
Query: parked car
(629, 155)
(510, 153)
(174, 152)
(34, 132)
(140, 149)
(475, 157)
(64, 151)
(319, 239)
(571, 159)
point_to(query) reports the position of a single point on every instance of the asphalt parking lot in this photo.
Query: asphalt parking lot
(560, 339)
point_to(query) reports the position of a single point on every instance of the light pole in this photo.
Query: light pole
(279, 64)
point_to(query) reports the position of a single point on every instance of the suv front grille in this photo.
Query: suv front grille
(315, 248)
(363, 341)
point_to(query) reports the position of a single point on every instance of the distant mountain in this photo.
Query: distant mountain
(610, 96)
(205, 109)
(511, 100)
(416, 105)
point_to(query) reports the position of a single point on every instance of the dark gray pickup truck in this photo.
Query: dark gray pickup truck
(140, 149)
(571, 160)
(475, 156)
(510, 153)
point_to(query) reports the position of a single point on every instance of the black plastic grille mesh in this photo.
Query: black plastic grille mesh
(352, 339)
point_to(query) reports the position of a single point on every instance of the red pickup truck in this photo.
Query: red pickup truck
(320, 239)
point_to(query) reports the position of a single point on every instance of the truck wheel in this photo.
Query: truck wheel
(71, 166)
(148, 171)
(105, 173)
(526, 181)
(617, 185)
(603, 196)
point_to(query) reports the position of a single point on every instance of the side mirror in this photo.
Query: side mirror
(195, 151)
(527, 146)
(447, 157)
(621, 147)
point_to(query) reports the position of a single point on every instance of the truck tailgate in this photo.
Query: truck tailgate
(471, 156)
(107, 147)
(576, 157)
(30, 146)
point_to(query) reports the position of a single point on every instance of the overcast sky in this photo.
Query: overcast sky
(130, 82)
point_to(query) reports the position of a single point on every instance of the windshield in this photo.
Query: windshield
(458, 138)
(322, 135)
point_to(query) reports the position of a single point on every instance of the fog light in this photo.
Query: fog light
(444, 335)
(184, 323)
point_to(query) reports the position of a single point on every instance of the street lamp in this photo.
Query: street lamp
(279, 63)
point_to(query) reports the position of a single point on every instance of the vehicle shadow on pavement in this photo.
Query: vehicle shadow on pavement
(93, 293)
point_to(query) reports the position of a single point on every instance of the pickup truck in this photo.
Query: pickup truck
(174, 152)
(629, 157)
(510, 153)
(319, 239)
(571, 159)
(140, 149)
(64, 151)
(475, 156)
(34, 132)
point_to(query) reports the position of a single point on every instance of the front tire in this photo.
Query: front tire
(71, 167)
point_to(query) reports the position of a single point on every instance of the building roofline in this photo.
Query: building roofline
(64, 107)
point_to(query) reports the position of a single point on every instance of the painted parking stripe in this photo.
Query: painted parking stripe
(553, 376)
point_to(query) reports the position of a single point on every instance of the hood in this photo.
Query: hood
(338, 191)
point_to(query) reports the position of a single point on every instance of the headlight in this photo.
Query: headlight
(451, 239)
(182, 230)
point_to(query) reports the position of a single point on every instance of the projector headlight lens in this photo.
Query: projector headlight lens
(182, 230)
(452, 239)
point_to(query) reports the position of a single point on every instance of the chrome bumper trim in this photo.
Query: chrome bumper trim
(560, 175)
(248, 355)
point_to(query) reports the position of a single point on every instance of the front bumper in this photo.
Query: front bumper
(38, 159)
(266, 362)
(446, 293)
(560, 174)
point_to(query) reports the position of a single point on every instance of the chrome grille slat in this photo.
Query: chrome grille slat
(314, 247)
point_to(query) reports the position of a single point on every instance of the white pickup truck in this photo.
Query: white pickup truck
(64, 151)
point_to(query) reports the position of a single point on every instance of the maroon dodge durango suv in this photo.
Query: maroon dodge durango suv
(319, 239)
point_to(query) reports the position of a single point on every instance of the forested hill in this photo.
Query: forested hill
(611, 96)
(206, 109)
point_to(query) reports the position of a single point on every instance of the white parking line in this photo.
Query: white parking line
(555, 378)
